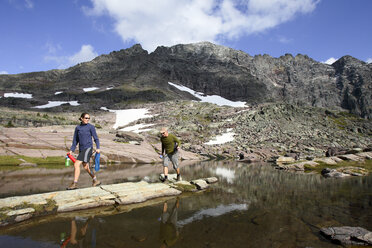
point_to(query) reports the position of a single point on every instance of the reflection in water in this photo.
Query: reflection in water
(168, 225)
(78, 233)
(259, 207)
(213, 212)
(228, 174)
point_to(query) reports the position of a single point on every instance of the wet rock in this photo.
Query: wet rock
(200, 184)
(327, 172)
(344, 172)
(210, 180)
(26, 164)
(185, 186)
(347, 235)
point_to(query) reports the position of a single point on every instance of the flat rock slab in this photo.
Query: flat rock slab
(20, 208)
(351, 157)
(347, 235)
(365, 155)
(297, 166)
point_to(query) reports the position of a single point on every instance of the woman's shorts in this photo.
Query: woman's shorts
(85, 155)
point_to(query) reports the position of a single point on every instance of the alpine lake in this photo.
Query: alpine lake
(252, 205)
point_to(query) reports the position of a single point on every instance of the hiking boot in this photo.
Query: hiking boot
(72, 186)
(163, 179)
(96, 183)
(178, 177)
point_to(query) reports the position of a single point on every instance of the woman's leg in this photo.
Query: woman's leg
(86, 167)
(77, 170)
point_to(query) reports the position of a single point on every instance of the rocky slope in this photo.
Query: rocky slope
(133, 75)
(263, 132)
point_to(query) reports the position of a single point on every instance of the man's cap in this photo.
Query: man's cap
(163, 130)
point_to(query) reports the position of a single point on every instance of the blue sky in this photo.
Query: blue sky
(39, 35)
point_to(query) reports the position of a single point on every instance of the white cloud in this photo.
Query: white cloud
(284, 40)
(169, 22)
(4, 72)
(369, 60)
(29, 4)
(330, 61)
(86, 53)
(52, 48)
(22, 4)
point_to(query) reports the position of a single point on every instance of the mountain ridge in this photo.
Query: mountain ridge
(138, 76)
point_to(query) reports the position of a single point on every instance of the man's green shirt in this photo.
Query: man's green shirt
(167, 143)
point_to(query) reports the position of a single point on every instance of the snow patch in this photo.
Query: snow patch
(18, 95)
(220, 101)
(90, 89)
(139, 128)
(222, 139)
(126, 116)
(52, 104)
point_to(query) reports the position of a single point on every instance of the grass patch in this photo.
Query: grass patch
(13, 162)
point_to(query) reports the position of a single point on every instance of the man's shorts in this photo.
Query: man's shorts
(171, 157)
(85, 155)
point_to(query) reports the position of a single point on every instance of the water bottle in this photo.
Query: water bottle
(67, 161)
(63, 237)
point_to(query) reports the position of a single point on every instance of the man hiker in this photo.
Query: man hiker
(170, 145)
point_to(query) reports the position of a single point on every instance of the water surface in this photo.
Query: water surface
(253, 205)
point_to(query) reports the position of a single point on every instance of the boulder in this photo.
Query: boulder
(327, 172)
(365, 155)
(200, 184)
(351, 157)
(344, 172)
(334, 151)
(285, 160)
(123, 136)
(347, 235)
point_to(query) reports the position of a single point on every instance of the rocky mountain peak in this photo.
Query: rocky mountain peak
(135, 75)
(202, 49)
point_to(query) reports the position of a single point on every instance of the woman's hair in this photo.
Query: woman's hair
(82, 116)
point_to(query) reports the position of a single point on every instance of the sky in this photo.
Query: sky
(40, 35)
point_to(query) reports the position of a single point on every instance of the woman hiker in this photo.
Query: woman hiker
(83, 136)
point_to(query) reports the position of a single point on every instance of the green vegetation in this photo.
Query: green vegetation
(40, 210)
(13, 162)
(9, 124)
(344, 119)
